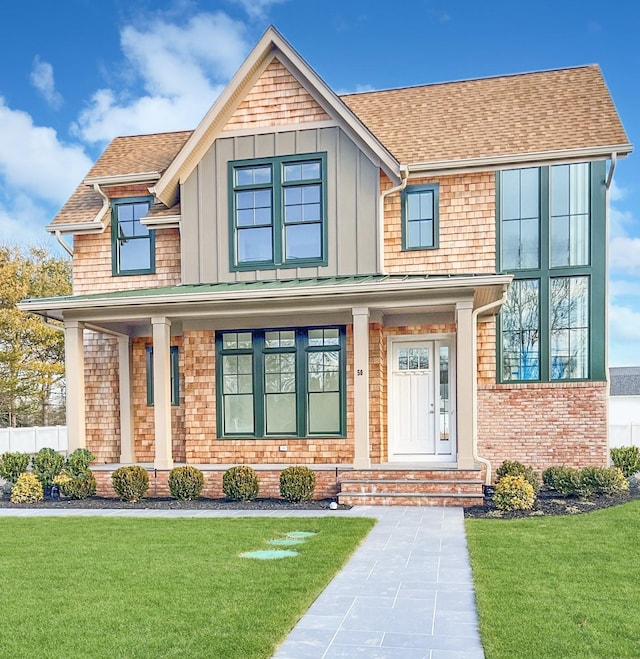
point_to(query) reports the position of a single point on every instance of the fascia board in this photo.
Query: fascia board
(123, 179)
(163, 222)
(78, 228)
(532, 159)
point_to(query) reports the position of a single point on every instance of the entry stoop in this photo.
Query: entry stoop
(388, 486)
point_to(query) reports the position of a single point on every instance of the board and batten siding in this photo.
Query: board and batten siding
(352, 206)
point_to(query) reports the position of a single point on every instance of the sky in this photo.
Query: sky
(76, 73)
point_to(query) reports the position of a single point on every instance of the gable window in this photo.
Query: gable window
(278, 383)
(133, 245)
(175, 381)
(552, 238)
(278, 212)
(420, 217)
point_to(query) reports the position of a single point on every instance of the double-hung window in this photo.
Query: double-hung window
(552, 238)
(278, 212)
(420, 217)
(281, 382)
(133, 245)
(175, 380)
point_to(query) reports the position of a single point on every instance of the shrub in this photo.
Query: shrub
(297, 484)
(240, 483)
(28, 489)
(609, 481)
(565, 480)
(78, 462)
(186, 483)
(514, 493)
(12, 465)
(130, 483)
(627, 459)
(47, 464)
(76, 487)
(515, 468)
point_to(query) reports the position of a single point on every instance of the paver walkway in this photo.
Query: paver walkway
(406, 593)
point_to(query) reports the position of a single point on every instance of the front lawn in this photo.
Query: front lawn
(559, 587)
(115, 587)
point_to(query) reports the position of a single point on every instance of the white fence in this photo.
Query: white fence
(31, 440)
(626, 434)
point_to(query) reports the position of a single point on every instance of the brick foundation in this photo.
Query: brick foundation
(544, 424)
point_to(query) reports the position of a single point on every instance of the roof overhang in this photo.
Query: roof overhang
(123, 179)
(270, 45)
(388, 295)
(532, 159)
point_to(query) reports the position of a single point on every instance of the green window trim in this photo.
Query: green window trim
(421, 217)
(118, 240)
(546, 274)
(175, 375)
(276, 208)
(260, 347)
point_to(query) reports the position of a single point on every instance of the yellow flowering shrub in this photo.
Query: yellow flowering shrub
(28, 489)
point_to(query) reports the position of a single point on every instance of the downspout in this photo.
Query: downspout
(66, 247)
(474, 402)
(404, 174)
(607, 185)
(614, 160)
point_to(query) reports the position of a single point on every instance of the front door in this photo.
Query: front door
(420, 414)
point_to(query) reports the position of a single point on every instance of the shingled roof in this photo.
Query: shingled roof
(526, 113)
(529, 113)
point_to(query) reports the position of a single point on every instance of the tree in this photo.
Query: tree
(31, 353)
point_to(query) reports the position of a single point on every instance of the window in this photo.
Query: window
(175, 381)
(552, 238)
(281, 382)
(420, 217)
(278, 214)
(133, 245)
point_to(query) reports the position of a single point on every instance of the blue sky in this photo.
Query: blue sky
(75, 73)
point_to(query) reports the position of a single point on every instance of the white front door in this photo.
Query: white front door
(420, 411)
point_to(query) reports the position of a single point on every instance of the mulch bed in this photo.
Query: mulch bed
(549, 502)
(100, 503)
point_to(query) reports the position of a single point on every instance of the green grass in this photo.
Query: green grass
(559, 587)
(97, 587)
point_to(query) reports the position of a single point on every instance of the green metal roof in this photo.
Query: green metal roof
(222, 287)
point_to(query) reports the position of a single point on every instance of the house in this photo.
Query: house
(624, 406)
(398, 288)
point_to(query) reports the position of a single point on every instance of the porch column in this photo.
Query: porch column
(74, 372)
(361, 459)
(162, 391)
(126, 416)
(466, 368)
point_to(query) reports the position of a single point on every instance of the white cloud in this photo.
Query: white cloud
(624, 255)
(624, 336)
(42, 80)
(623, 288)
(616, 193)
(257, 9)
(22, 222)
(182, 68)
(33, 160)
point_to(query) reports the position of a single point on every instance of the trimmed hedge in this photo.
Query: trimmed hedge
(130, 483)
(297, 484)
(12, 465)
(186, 483)
(240, 483)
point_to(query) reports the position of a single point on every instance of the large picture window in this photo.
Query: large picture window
(552, 238)
(133, 245)
(281, 382)
(278, 212)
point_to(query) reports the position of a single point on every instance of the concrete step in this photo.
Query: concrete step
(410, 474)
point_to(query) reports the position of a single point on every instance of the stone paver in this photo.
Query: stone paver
(406, 593)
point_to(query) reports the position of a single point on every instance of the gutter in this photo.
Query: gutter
(66, 247)
(474, 401)
(404, 174)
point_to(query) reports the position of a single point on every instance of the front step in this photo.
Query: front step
(398, 499)
(411, 487)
